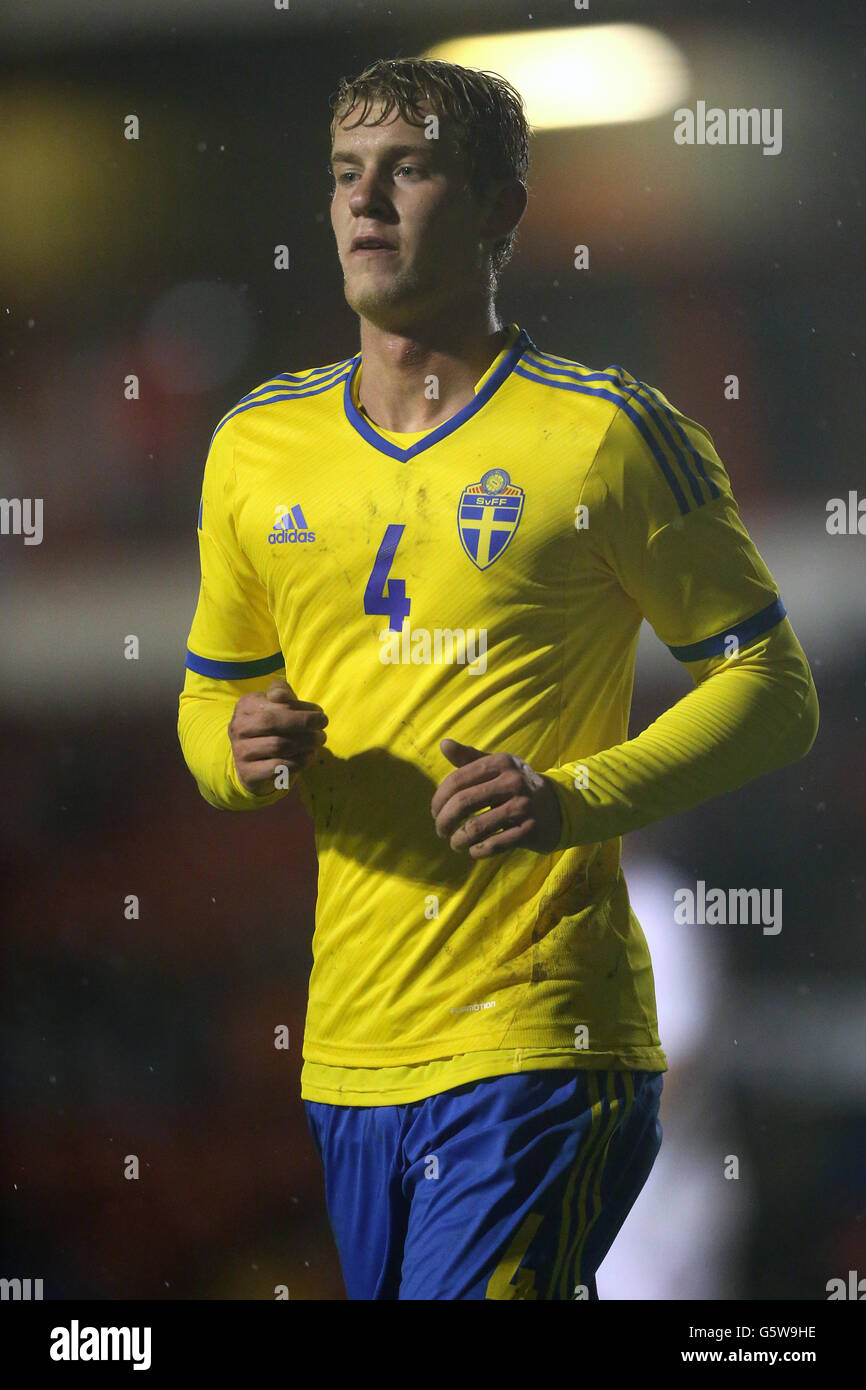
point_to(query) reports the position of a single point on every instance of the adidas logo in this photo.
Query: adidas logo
(290, 527)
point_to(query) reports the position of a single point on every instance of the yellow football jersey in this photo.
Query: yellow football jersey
(485, 580)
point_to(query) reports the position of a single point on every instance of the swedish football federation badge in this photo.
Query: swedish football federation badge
(488, 515)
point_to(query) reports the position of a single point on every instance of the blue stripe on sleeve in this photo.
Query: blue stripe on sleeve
(234, 670)
(632, 414)
(315, 390)
(687, 444)
(743, 631)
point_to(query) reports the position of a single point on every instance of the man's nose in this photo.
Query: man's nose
(368, 195)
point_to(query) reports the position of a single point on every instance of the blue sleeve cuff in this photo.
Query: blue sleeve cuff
(743, 631)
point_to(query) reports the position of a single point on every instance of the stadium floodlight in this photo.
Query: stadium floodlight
(576, 76)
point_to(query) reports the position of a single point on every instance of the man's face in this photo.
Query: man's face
(407, 227)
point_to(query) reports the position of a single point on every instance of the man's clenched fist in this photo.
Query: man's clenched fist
(274, 729)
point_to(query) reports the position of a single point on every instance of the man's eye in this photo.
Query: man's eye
(410, 167)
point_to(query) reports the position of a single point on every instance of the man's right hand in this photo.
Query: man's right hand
(274, 729)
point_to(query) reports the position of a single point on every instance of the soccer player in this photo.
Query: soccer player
(443, 548)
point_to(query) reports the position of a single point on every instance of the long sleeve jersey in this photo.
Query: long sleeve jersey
(486, 581)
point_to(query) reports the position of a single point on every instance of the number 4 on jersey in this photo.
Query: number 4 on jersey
(394, 603)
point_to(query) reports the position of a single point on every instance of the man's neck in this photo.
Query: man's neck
(418, 378)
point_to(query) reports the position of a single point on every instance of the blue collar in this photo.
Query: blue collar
(521, 343)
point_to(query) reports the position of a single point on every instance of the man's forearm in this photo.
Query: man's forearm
(756, 714)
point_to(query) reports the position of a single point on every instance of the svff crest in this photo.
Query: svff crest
(488, 514)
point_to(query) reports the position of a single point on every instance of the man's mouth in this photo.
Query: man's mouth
(371, 245)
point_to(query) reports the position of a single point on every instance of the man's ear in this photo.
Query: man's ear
(506, 205)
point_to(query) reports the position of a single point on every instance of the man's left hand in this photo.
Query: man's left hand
(524, 809)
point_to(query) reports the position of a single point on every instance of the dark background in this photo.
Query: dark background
(154, 1036)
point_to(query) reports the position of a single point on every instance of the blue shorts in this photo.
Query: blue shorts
(511, 1187)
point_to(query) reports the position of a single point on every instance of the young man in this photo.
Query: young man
(443, 548)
